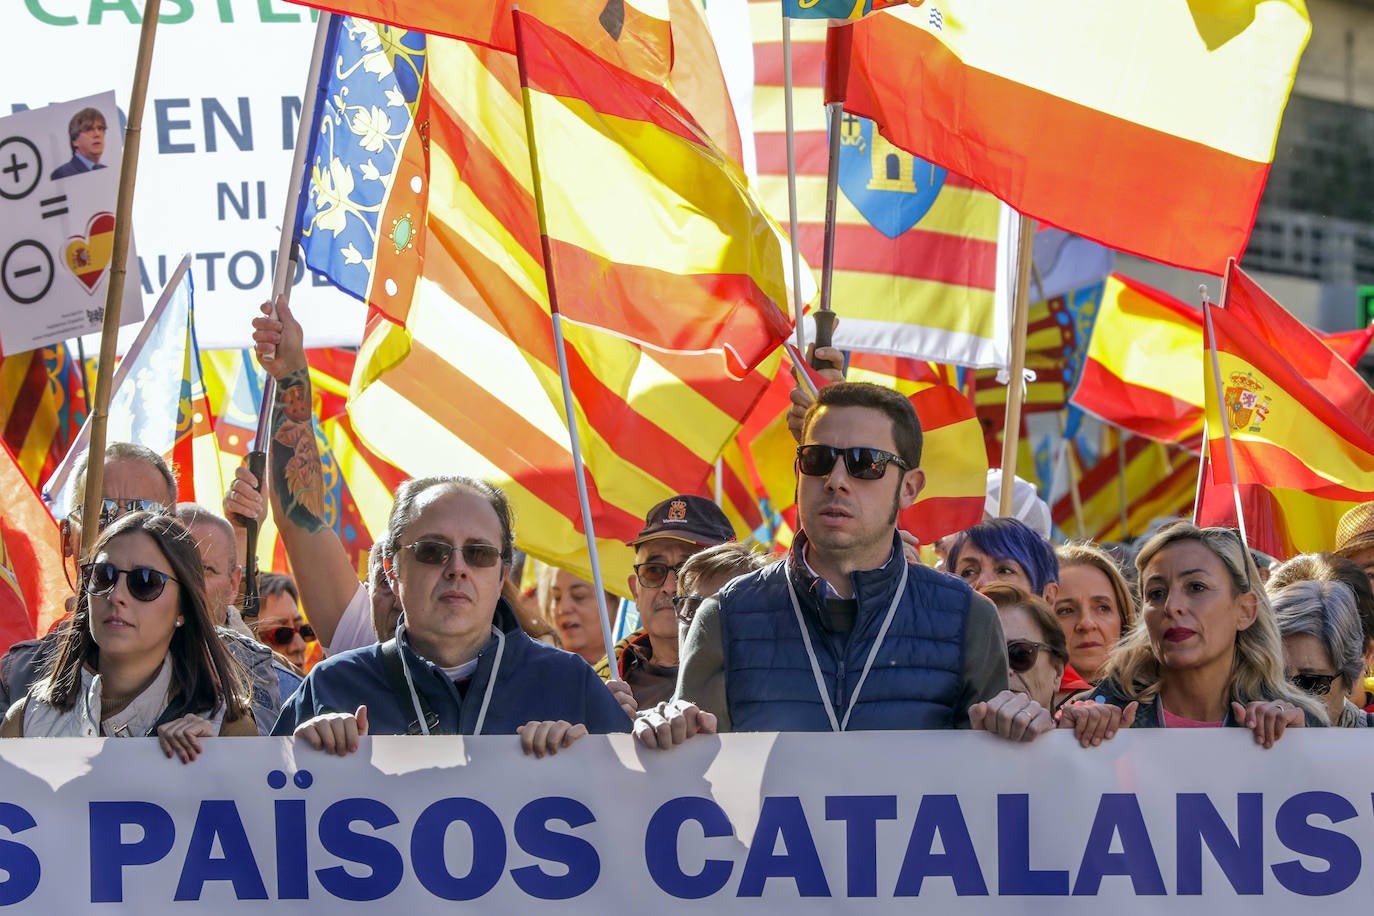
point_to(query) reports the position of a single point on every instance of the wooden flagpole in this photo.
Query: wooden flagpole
(1020, 312)
(114, 295)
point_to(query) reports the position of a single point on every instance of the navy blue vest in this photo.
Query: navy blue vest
(916, 678)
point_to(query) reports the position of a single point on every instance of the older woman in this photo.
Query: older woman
(460, 662)
(1094, 608)
(1005, 550)
(1209, 652)
(1321, 645)
(141, 656)
(1036, 649)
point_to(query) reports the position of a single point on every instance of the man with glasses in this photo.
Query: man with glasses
(674, 530)
(845, 634)
(281, 626)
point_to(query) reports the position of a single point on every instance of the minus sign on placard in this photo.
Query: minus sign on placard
(25, 271)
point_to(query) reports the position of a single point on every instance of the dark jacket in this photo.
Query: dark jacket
(1147, 713)
(534, 682)
(915, 681)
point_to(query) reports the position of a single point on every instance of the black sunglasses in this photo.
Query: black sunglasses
(144, 582)
(1314, 685)
(685, 606)
(283, 636)
(1022, 654)
(437, 553)
(111, 509)
(653, 575)
(861, 461)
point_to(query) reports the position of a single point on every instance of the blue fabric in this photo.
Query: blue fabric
(535, 682)
(916, 678)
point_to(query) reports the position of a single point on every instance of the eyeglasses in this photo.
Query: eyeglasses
(861, 461)
(284, 636)
(111, 509)
(1022, 654)
(1314, 685)
(685, 606)
(437, 553)
(144, 582)
(653, 575)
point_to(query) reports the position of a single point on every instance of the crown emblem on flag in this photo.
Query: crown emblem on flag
(1246, 404)
(677, 510)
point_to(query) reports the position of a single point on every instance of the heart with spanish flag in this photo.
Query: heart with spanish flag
(88, 256)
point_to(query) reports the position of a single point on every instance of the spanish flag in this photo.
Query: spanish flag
(1147, 126)
(1142, 369)
(33, 586)
(1301, 421)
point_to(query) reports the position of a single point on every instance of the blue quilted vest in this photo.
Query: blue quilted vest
(916, 677)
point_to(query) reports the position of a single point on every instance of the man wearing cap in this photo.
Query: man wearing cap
(674, 530)
(1355, 537)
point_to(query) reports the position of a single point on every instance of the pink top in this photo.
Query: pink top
(1169, 720)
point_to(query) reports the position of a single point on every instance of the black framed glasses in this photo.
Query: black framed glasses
(861, 461)
(143, 582)
(437, 553)
(1314, 685)
(1022, 654)
(653, 575)
(685, 606)
(283, 636)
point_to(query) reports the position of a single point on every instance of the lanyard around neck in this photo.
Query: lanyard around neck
(486, 695)
(836, 724)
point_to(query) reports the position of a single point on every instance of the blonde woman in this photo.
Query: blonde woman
(1207, 652)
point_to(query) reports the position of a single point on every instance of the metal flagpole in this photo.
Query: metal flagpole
(570, 409)
(1219, 394)
(838, 40)
(793, 231)
(114, 295)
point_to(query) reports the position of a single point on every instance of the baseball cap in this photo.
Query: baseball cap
(1355, 530)
(693, 519)
(1026, 504)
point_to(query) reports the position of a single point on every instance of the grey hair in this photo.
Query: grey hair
(1326, 611)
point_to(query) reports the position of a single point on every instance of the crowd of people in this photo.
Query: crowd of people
(850, 630)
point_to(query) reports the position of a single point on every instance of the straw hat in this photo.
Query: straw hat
(1355, 530)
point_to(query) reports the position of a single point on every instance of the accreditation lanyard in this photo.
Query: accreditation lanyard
(486, 695)
(837, 725)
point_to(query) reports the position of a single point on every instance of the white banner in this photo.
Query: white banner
(804, 824)
(220, 123)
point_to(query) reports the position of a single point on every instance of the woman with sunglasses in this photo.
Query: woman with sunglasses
(280, 625)
(1322, 643)
(460, 664)
(1208, 653)
(141, 657)
(1036, 653)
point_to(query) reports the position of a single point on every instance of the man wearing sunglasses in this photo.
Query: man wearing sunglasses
(674, 530)
(281, 626)
(845, 634)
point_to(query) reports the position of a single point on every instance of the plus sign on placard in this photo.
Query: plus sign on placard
(21, 165)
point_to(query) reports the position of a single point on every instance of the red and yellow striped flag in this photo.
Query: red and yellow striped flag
(915, 246)
(33, 586)
(681, 258)
(1148, 127)
(42, 406)
(470, 384)
(1160, 481)
(1301, 421)
(1143, 371)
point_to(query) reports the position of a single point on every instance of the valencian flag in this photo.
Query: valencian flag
(471, 380)
(1141, 371)
(1160, 482)
(916, 267)
(833, 9)
(665, 42)
(1301, 422)
(691, 263)
(1148, 127)
(33, 586)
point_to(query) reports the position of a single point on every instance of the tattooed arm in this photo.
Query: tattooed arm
(324, 574)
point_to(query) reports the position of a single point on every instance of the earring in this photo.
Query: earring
(180, 621)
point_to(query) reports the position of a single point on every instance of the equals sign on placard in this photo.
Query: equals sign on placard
(53, 206)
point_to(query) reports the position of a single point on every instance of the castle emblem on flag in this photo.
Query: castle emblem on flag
(891, 188)
(1246, 404)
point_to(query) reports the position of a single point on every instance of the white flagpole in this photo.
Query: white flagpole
(792, 221)
(1207, 307)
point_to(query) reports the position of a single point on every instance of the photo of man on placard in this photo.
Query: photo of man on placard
(86, 131)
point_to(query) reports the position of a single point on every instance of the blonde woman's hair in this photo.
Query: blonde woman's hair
(1257, 659)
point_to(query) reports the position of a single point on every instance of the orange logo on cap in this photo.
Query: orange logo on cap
(677, 510)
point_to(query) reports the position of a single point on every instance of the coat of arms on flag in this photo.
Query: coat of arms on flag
(1246, 402)
(891, 188)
